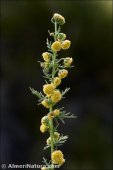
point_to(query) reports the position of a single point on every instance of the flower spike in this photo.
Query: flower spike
(55, 70)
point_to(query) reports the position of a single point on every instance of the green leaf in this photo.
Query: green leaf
(46, 147)
(62, 140)
(65, 91)
(38, 94)
(45, 161)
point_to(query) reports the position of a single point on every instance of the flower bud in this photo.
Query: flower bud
(43, 128)
(62, 73)
(56, 46)
(61, 36)
(51, 115)
(66, 44)
(45, 120)
(56, 112)
(48, 141)
(56, 135)
(46, 56)
(45, 103)
(59, 19)
(68, 61)
(56, 81)
(45, 65)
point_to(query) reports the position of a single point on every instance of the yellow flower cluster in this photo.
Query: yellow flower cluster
(62, 73)
(56, 96)
(48, 89)
(59, 19)
(57, 157)
(68, 61)
(57, 45)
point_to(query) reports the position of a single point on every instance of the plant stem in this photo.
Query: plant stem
(51, 131)
(51, 107)
(55, 30)
(54, 53)
(53, 71)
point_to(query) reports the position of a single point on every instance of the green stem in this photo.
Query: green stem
(55, 30)
(53, 71)
(51, 131)
(54, 54)
(51, 125)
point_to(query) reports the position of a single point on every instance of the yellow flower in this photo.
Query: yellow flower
(56, 135)
(45, 120)
(62, 73)
(56, 112)
(45, 103)
(46, 56)
(56, 96)
(56, 46)
(57, 157)
(59, 19)
(57, 81)
(43, 128)
(68, 61)
(66, 44)
(61, 36)
(48, 89)
(48, 141)
(50, 115)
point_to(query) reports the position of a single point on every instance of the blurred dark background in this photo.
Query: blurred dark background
(24, 29)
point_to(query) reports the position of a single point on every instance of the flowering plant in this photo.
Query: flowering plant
(54, 70)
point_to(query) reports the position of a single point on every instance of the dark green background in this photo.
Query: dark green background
(24, 29)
